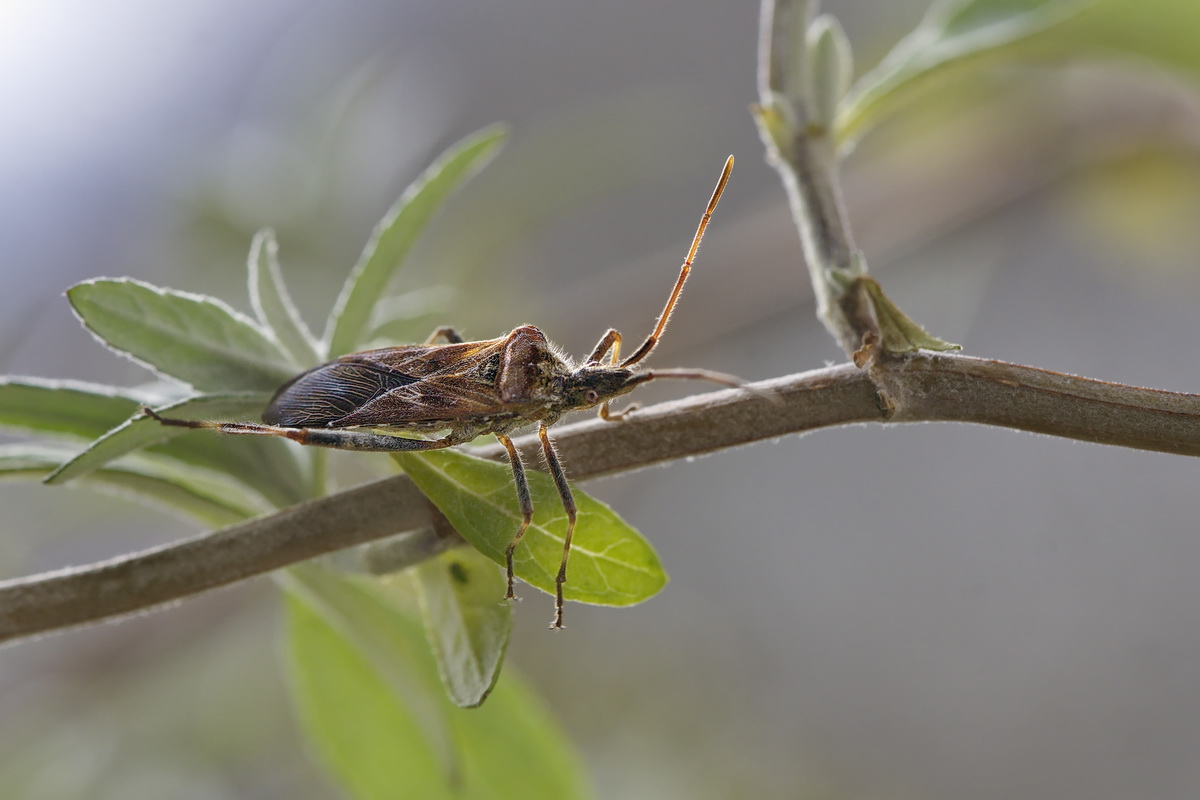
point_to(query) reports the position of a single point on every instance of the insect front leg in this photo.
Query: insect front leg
(609, 344)
(611, 340)
(616, 416)
(525, 502)
(445, 332)
(336, 438)
(568, 501)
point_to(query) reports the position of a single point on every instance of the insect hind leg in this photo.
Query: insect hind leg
(568, 501)
(445, 332)
(338, 439)
(524, 501)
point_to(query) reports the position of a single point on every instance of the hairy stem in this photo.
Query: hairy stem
(803, 151)
(921, 388)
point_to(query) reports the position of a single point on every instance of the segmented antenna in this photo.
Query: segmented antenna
(665, 316)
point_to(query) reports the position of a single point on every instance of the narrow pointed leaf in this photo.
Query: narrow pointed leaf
(467, 620)
(196, 339)
(368, 695)
(67, 408)
(273, 304)
(267, 466)
(93, 411)
(396, 233)
(410, 316)
(158, 481)
(1156, 33)
(272, 467)
(955, 35)
(142, 431)
(611, 563)
(831, 70)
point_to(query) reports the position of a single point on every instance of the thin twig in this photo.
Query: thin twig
(804, 153)
(923, 388)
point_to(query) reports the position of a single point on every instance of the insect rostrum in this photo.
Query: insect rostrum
(467, 389)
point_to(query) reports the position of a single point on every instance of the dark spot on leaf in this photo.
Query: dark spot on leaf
(458, 573)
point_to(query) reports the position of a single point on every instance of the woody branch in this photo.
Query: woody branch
(930, 387)
(922, 387)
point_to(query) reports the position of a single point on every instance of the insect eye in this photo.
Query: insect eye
(591, 395)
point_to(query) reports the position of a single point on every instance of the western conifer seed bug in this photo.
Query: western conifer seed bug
(468, 389)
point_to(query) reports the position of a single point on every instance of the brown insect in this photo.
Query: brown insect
(467, 389)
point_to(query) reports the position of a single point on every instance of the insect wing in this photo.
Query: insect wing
(391, 386)
(323, 395)
(423, 361)
(441, 399)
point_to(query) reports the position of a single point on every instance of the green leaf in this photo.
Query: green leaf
(273, 304)
(467, 620)
(196, 339)
(513, 750)
(93, 411)
(268, 466)
(901, 334)
(373, 733)
(369, 697)
(410, 316)
(140, 431)
(68, 408)
(211, 501)
(611, 564)
(1161, 33)
(954, 36)
(395, 234)
(831, 70)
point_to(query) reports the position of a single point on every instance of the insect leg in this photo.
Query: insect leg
(616, 416)
(609, 341)
(445, 332)
(526, 503)
(339, 439)
(610, 345)
(568, 501)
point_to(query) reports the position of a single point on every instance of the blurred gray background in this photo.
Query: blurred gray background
(927, 611)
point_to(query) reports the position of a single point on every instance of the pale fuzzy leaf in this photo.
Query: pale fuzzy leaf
(272, 303)
(831, 70)
(954, 36)
(1160, 34)
(395, 234)
(145, 478)
(196, 339)
(66, 408)
(93, 411)
(140, 431)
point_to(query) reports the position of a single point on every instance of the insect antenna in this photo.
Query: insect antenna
(653, 338)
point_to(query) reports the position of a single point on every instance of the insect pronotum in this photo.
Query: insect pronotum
(468, 389)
